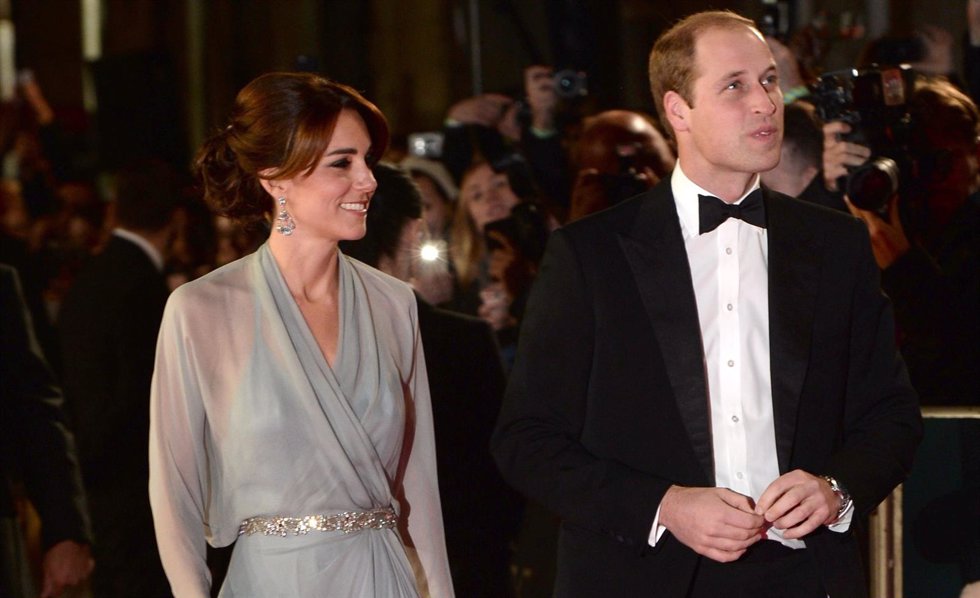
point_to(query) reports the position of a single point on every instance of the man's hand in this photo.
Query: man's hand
(487, 109)
(798, 502)
(839, 154)
(888, 239)
(66, 564)
(715, 522)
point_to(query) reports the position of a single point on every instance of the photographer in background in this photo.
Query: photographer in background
(926, 239)
(618, 154)
(930, 265)
(494, 125)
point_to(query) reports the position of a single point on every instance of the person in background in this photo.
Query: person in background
(36, 448)
(439, 199)
(290, 406)
(492, 126)
(439, 194)
(618, 154)
(485, 196)
(927, 243)
(799, 172)
(107, 328)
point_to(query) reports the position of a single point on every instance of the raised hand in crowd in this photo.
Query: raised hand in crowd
(487, 110)
(839, 154)
(888, 239)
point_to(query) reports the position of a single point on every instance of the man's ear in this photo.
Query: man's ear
(676, 111)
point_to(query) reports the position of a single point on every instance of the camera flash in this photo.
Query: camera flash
(429, 252)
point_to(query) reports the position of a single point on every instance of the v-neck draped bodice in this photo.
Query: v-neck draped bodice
(249, 419)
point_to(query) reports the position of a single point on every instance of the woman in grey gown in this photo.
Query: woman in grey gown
(290, 406)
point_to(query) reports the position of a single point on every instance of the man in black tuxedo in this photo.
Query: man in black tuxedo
(108, 327)
(684, 383)
(37, 449)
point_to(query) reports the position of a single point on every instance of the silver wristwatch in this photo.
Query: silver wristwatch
(842, 494)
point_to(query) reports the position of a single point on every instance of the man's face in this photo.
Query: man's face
(734, 125)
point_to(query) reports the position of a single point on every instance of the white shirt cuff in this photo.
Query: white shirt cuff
(657, 530)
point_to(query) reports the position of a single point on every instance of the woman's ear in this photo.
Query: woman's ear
(676, 110)
(274, 187)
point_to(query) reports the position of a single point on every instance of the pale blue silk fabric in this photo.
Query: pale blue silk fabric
(248, 419)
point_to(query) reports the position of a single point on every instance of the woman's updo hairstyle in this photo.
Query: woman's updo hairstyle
(280, 126)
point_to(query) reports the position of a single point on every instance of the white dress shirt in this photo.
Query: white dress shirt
(147, 247)
(729, 268)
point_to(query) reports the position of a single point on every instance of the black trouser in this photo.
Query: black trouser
(767, 570)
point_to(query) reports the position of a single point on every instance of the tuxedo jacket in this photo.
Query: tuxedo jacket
(479, 511)
(607, 405)
(108, 326)
(36, 446)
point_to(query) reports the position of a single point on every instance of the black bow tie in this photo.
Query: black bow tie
(713, 211)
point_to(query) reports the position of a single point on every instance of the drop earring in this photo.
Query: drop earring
(285, 225)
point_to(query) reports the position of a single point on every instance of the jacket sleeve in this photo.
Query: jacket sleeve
(39, 439)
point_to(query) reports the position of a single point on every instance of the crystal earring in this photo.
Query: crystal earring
(285, 225)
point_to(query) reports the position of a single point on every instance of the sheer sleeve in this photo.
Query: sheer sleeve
(421, 483)
(178, 459)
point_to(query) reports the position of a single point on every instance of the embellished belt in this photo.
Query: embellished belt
(346, 522)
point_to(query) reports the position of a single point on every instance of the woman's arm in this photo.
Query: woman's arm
(178, 463)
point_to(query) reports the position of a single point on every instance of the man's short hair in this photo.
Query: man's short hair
(937, 104)
(671, 65)
(802, 134)
(147, 193)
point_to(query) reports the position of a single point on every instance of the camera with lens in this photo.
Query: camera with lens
(873, 101)
(571, 84)
(427, 144)
(775, 20)
(625, 183)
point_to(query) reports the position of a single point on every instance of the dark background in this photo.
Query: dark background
(168, 70)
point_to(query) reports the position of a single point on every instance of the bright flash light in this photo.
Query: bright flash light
(429, 252)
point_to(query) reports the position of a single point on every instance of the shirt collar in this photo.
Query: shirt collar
(686, 194)
(151, 252)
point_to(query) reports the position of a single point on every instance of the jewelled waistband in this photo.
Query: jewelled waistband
(346, 522)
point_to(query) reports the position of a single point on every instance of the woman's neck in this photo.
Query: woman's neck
(309, 268)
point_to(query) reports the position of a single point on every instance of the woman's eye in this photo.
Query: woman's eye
(342, 163)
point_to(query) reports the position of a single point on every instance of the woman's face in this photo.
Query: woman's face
(331, 202)
(436, 209)
(486, 195)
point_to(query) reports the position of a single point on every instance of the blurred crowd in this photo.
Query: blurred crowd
(463, 214)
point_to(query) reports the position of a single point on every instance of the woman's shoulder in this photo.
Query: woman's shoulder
(377, 282)
(216, 288)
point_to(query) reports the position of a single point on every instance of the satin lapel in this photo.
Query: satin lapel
(655, 252)
(794, 269)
